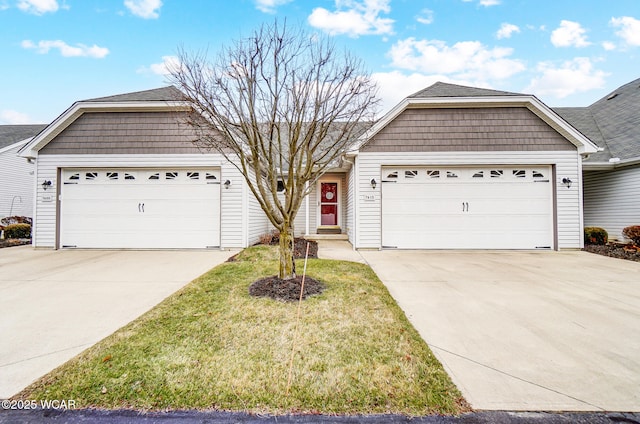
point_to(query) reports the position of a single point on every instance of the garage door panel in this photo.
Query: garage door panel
(511, 211)
(140, 212)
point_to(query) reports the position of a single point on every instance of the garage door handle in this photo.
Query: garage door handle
(465, 206)
(141, 207)
(467, 203)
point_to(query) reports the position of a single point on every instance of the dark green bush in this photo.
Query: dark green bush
(595, 235)
(17, 231)
(633, 233)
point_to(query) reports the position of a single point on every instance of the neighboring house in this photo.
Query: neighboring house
(16, 173)
(612, 175)
(449, 167)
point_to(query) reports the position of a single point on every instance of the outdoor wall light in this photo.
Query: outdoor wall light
(373, 183)
(227, 184)
(566, 181)
(46, 184)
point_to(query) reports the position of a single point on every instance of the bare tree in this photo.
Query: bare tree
(281, 105)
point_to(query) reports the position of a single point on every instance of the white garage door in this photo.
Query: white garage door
(496, 207)
(129, 208)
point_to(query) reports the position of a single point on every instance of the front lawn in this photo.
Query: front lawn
(212, 346)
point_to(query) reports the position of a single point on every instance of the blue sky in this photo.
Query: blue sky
(568, 53)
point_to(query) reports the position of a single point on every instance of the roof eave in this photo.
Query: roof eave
(14, 145)
(31, 149)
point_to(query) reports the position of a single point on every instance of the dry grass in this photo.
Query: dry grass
(212, 346)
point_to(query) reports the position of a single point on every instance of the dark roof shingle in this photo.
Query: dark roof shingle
(613, 123)
(442, 89)
(10, 134)
(164, 94)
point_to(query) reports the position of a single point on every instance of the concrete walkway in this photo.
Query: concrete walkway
(55, 304)
(525, 330)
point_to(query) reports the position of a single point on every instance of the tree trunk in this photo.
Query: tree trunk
(287, 263)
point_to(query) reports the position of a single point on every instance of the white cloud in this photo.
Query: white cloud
(147, 9)
(164, 68)
(79, 50)
(11, 117)
(506, 30)
(353, 17)
(425, 16)
(573, 76)
(485, 3)
(269, 6)
(569, 34)
(608, 45)
(466, 60)
(38, 7)
(629, 29)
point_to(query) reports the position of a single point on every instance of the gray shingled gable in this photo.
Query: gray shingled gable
(10, 134)
(614, 123)
(441, 89)
(164, 94)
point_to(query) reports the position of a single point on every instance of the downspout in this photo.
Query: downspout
(306, 206)
(354, 206)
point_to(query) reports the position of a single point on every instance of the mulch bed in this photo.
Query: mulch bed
(285, 290)
(619, 251)
(300, 248)
(13, 242)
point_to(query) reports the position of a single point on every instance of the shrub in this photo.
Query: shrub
(595, 235)
(17, 231)
(8, 220)
(270, 238)
(633, 233)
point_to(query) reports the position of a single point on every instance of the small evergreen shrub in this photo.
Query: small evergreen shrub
(633, 233)
(595, 235)
(17, 231)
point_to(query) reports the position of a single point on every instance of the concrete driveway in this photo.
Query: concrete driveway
(525, 330)
(55, 304)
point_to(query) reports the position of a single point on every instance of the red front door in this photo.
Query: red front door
(328, 203)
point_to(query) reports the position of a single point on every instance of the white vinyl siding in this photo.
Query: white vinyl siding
(612, 200)
(16, 183)
(231, 209)
(568, 201)
(257, 221)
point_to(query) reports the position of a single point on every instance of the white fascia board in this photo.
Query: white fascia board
(16, 144)
(77, 109)
(604, 166)
(582, 143)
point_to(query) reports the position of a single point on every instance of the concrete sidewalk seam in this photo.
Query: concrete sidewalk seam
(513, 376)
(46, 354)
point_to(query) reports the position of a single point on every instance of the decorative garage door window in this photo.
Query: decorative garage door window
(456, 175)
(141, 176)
